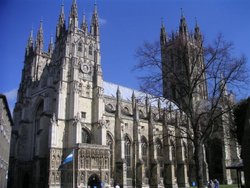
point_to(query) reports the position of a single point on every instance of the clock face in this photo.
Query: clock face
(85, 68)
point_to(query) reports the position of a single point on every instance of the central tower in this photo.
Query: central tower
(182, 65)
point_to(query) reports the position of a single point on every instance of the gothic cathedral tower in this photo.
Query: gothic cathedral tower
(60, 99)
(182, 59)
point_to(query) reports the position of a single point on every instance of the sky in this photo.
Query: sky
(124, 26)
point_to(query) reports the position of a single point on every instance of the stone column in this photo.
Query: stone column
(169, 170)
(182, 178)
(120, 173)
(137, 155)
(153, 162)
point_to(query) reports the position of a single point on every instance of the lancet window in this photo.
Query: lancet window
(85, 137)
(128, 151)
(79, 47)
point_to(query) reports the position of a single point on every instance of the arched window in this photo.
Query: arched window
(159, 153)
(111, 147)
(128, 151)
(90, 49)
(38, 128)
(144, 146)
(85, 137)
(79, 47)
(158, 147)
(126, 110)
(173, 151)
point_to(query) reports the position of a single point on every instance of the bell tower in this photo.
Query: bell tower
(182, 61)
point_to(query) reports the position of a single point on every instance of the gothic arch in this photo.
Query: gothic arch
(158, 147)
(86, 136)
(38, 127)
(141, 114)
(91, 49)
(36, 105)
(94, 181)
(128, 149)
(144, 145)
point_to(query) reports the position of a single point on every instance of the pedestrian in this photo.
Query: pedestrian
(211, 184)
(216, 183)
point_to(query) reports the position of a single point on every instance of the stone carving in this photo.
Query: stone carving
(102, 123)
(53, 120)
(77, 118)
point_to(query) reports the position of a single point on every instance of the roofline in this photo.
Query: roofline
(7, 107)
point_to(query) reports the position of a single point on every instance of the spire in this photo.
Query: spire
(197, 33)
(133, 99)
(61, 22)
(39, 38)
(29, 46)
(163, 36)
(95, 8)
(51, 46)
(118, 93)
(62, 16)
(73, 12)
(94, 30)
(183, 30)
(31, 36)
(84, 25)
(73, 19)
(118, 100)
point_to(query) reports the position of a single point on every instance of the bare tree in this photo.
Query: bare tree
(195, 76)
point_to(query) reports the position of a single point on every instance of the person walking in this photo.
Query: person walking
(216, 183)
(210, 184)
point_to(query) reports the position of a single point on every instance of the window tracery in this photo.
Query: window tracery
(128, 151)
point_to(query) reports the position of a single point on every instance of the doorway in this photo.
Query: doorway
(94, 181)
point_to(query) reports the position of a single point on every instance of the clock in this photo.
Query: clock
(85, 68)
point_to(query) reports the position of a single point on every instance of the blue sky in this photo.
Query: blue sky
(125, 25)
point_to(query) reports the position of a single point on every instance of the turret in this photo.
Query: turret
(118, 101)
(60, 28)
(197, 33)
(29, 47)
(51, 46)
(73, 18)
(183, 30)
(84, 25)
(163, 37)
(94, 29)
(39, 39)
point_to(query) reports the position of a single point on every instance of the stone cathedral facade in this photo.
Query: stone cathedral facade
(119, 136)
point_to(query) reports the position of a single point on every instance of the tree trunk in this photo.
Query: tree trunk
(198, 157)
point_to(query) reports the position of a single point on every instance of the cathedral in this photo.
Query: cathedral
(119, 136)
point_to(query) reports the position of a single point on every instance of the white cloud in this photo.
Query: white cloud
(11, 98)
(11, 95)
